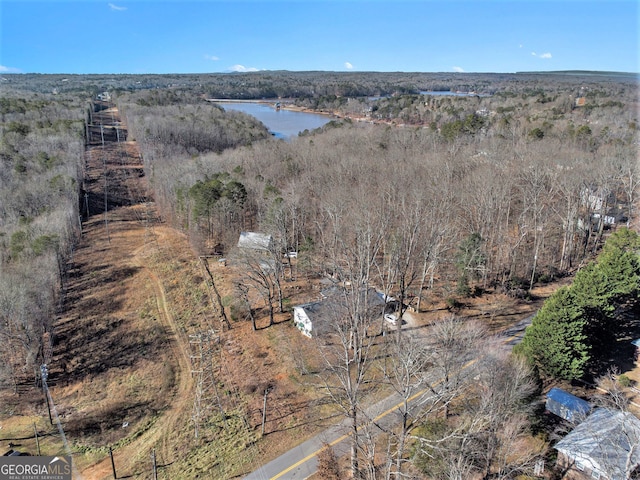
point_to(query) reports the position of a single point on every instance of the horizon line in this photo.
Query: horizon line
(231, 72)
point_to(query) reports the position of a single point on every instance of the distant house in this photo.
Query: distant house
(636, 353)
(567, 406)
(316, 318)
(613, 217)
(597, 199)
(255, 241)
(605, 446)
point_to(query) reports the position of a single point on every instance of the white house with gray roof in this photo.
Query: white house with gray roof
(315, 318)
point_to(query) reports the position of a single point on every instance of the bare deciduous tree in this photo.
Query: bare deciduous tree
(262, 270)
(347, 351)
(407, 370)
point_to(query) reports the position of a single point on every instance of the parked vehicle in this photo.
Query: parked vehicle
(391, 318)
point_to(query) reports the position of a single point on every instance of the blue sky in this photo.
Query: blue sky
(203, 36)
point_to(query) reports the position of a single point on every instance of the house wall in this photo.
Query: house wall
(573, 470)
(302, 321)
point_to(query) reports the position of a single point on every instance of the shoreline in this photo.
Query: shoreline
(288, 105)
(284, 105)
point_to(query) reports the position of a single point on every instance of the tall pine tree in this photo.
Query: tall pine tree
(556, 341)
(578, 327)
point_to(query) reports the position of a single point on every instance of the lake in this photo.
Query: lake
(438, 93)
(284, 124)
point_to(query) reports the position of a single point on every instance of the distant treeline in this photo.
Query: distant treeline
(284, 84)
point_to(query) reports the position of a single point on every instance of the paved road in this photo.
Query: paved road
(301, 461)
(515, 333)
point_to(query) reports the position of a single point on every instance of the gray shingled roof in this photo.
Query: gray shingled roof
(608, 441)
(333, 307)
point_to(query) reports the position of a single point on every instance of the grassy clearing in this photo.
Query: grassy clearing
(225, 449)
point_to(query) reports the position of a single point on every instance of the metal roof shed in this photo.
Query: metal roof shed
(567, 406)
(255, 241)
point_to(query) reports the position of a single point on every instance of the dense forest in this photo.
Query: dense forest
(41, 150)
(522, 184)
(516, 183)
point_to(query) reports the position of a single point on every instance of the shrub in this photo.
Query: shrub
(624, 381)
(453, 303)
(328, 466)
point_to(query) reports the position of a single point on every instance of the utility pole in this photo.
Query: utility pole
(46, 397)
(44, 373)
(264, 410)
(206, 391)
(35, 432)
(104, 170)
(113, 465)
(155, 466)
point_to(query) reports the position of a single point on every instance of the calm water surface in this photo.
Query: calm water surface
(281, 123)
(454, 94)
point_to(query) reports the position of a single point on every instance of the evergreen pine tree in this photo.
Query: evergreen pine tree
(556, 341)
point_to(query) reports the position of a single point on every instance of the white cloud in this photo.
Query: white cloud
(211, 57)
(348, 66)
(242, 68)
(116, 7)
(458, 69)
(5, 69)
(542, 55)
(520, 46)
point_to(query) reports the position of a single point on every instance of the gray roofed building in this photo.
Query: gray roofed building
(310, 318)
(315, 318)
(604, 446)
(255, 241)
(567, 406)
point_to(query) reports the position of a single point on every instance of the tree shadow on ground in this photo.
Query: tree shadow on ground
(106, 345)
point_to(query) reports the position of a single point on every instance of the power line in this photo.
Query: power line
(44, 374)
(206, 391)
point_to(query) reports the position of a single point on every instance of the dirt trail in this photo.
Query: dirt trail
(117, 328)
(159, 437)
